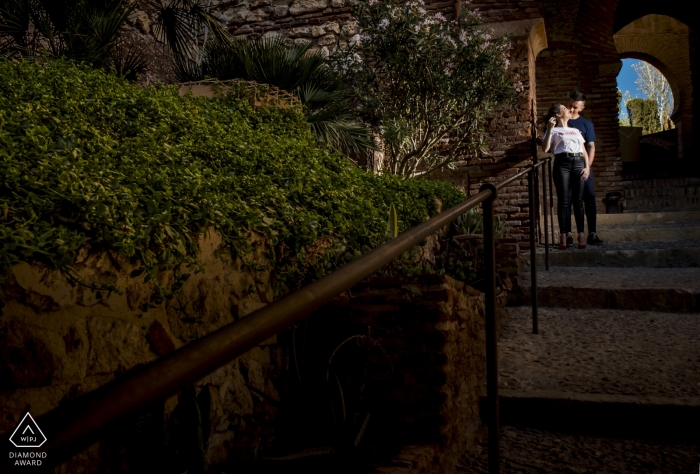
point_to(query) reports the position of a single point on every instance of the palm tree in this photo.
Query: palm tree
(202, 48)
(83, 30)
(325, 96)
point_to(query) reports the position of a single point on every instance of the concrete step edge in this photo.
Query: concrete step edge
(622, 415)
(670, 300)
(598, 257)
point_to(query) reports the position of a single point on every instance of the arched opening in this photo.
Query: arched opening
(662, 42)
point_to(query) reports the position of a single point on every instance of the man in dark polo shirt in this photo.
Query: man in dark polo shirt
(577, 103)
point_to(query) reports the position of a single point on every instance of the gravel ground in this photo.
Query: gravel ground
(611, 277)
(529, 451)
(602, 351)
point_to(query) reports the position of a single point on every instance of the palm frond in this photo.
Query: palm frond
(14, 23)
(127, 61)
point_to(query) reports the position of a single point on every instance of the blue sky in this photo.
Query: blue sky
(626, 78)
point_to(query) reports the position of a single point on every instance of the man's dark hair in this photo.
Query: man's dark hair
(577, 96)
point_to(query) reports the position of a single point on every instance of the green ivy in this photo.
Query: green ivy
(88, 159)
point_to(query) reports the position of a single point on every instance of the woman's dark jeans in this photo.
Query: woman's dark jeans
(569, 184)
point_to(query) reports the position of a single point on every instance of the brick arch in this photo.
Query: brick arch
(628, 11)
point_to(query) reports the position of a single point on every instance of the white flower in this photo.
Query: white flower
(383, 23)
(440, 16)
(519, 87)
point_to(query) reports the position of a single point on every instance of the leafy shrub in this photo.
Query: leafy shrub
(88, 159)
(425, 84)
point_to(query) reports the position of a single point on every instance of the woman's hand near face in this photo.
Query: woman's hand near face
(552, 123)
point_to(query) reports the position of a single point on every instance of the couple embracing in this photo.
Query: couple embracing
(571, 138)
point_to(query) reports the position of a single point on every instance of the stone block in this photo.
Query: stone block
(300, 7)
(333, 27)
(300, 32)
(327, 40)
(349, 29)
(280, 11)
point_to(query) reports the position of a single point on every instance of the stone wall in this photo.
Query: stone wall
(431, 332)
(660, 195)
(59, 341)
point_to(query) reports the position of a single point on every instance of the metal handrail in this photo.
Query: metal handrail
(75, 425)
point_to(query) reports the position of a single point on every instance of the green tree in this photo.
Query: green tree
(652, 83)
(623, 115)
(424, 84)
(644, 113)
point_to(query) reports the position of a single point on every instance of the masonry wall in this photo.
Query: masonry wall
(429, 371)
(59, 341)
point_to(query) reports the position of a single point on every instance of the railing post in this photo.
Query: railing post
(544, 211)
(531, 190)
(491, 330)
(551, 198)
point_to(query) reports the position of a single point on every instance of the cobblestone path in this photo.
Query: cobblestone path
(617, 329)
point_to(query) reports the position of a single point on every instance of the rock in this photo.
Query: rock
(354, 40)
(29, 356)
(350, 28)
(160, 339)
(300, 32)
(220, 444)
(337, 3)
(260, 14)
(300, 7)
(234, 394)
(300, 41)
(254, 373)
(333, 27)
(259, 3)
(235, 15)
(143, 22)
(324, 52)
(317, 31)
(327, 40)
(280, 11)
(115, 345)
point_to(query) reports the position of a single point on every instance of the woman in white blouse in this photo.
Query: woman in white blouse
(571, 169)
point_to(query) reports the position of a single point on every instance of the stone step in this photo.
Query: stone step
(646, 227)
(602, 415)
(604, 371)
(655, 289)
(649, 218)
(676, 254)
(649, 232)
(629, 218)
(532, 451)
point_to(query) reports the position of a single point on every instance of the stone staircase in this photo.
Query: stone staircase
(612, 381)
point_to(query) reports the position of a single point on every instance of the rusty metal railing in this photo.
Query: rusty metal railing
(77, 424)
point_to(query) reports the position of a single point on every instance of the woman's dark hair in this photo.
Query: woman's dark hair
(553, 112)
